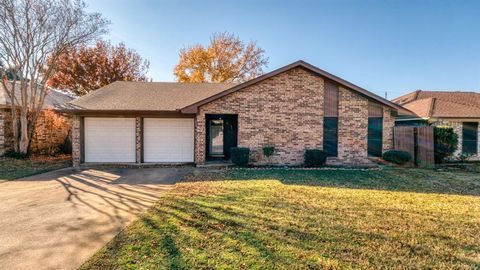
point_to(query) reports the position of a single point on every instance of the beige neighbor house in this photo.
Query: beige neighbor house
(293, 108)
(47, 135)
(460, 110)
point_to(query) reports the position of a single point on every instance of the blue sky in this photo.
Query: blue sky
(393, 46)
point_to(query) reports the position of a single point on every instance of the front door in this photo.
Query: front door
(221, 131)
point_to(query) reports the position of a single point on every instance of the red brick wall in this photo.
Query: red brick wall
(50, 131)
(352, 128)
(286, 111)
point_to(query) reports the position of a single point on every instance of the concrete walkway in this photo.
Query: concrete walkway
(59, 219)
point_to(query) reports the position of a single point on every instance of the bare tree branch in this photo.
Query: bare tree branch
(34, 32)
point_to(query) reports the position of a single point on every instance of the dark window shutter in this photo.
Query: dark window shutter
(330, 136)
(375, 132)
(470, 137)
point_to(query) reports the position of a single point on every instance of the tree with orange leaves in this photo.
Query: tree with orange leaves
(226, 59)
(83, 69)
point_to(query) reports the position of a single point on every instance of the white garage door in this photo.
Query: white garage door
(109, 139)
(168, 139)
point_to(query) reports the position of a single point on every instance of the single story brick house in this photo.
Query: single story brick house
(46, 135)
(458, 109)
(293, 108)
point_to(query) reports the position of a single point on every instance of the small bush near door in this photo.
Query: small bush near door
(268, 151)
(315, 157)
(240, 156)
(397, 156)
(445, 141)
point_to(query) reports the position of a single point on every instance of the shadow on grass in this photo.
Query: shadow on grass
(387, 179)
(210, 231)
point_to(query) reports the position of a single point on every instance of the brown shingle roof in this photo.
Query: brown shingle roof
(186, 97)
(442, 104)
(146, 96)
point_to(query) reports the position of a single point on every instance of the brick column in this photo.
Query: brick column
(139, 139)
(200, 138)
(388, 124)
(352, 127)
(76, 141)
(2, 133)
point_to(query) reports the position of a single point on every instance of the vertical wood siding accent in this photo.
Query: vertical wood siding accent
(375, 109)
(331, 99)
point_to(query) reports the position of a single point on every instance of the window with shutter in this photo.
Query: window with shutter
(330, 120)
(470, 138)
(375, 129)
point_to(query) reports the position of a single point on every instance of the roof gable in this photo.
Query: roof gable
(194, 107)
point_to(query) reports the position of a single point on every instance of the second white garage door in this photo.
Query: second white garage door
(168, 140)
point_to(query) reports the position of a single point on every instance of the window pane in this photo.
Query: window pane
(216, 138)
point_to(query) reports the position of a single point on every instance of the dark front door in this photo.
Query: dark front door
(221, 130)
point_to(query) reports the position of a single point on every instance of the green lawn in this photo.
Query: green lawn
(11, 168)
(294, 219)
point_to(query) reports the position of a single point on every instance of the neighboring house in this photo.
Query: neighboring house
(47, 134)
(293, 108)
(460, 110)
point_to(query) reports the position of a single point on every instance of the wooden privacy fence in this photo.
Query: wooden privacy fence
(418, 141)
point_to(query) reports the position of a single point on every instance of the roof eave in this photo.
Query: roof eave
(120, 112)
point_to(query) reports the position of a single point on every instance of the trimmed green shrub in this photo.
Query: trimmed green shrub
(240, 156)
(268, 151)
(315, 157)
(17, 155)
(463, 157)
(445, 142)
(397, 156)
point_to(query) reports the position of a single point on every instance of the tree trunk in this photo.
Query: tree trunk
(24, 140)
(15, 128)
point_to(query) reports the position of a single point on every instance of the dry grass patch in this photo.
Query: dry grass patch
(305, 223)
(11, 168)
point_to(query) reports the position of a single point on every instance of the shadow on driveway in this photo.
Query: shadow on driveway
(58, 219)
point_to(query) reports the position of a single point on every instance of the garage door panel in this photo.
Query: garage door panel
(168, 139)
(109, 139)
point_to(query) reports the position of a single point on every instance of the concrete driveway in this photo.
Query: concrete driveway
(59, 219)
